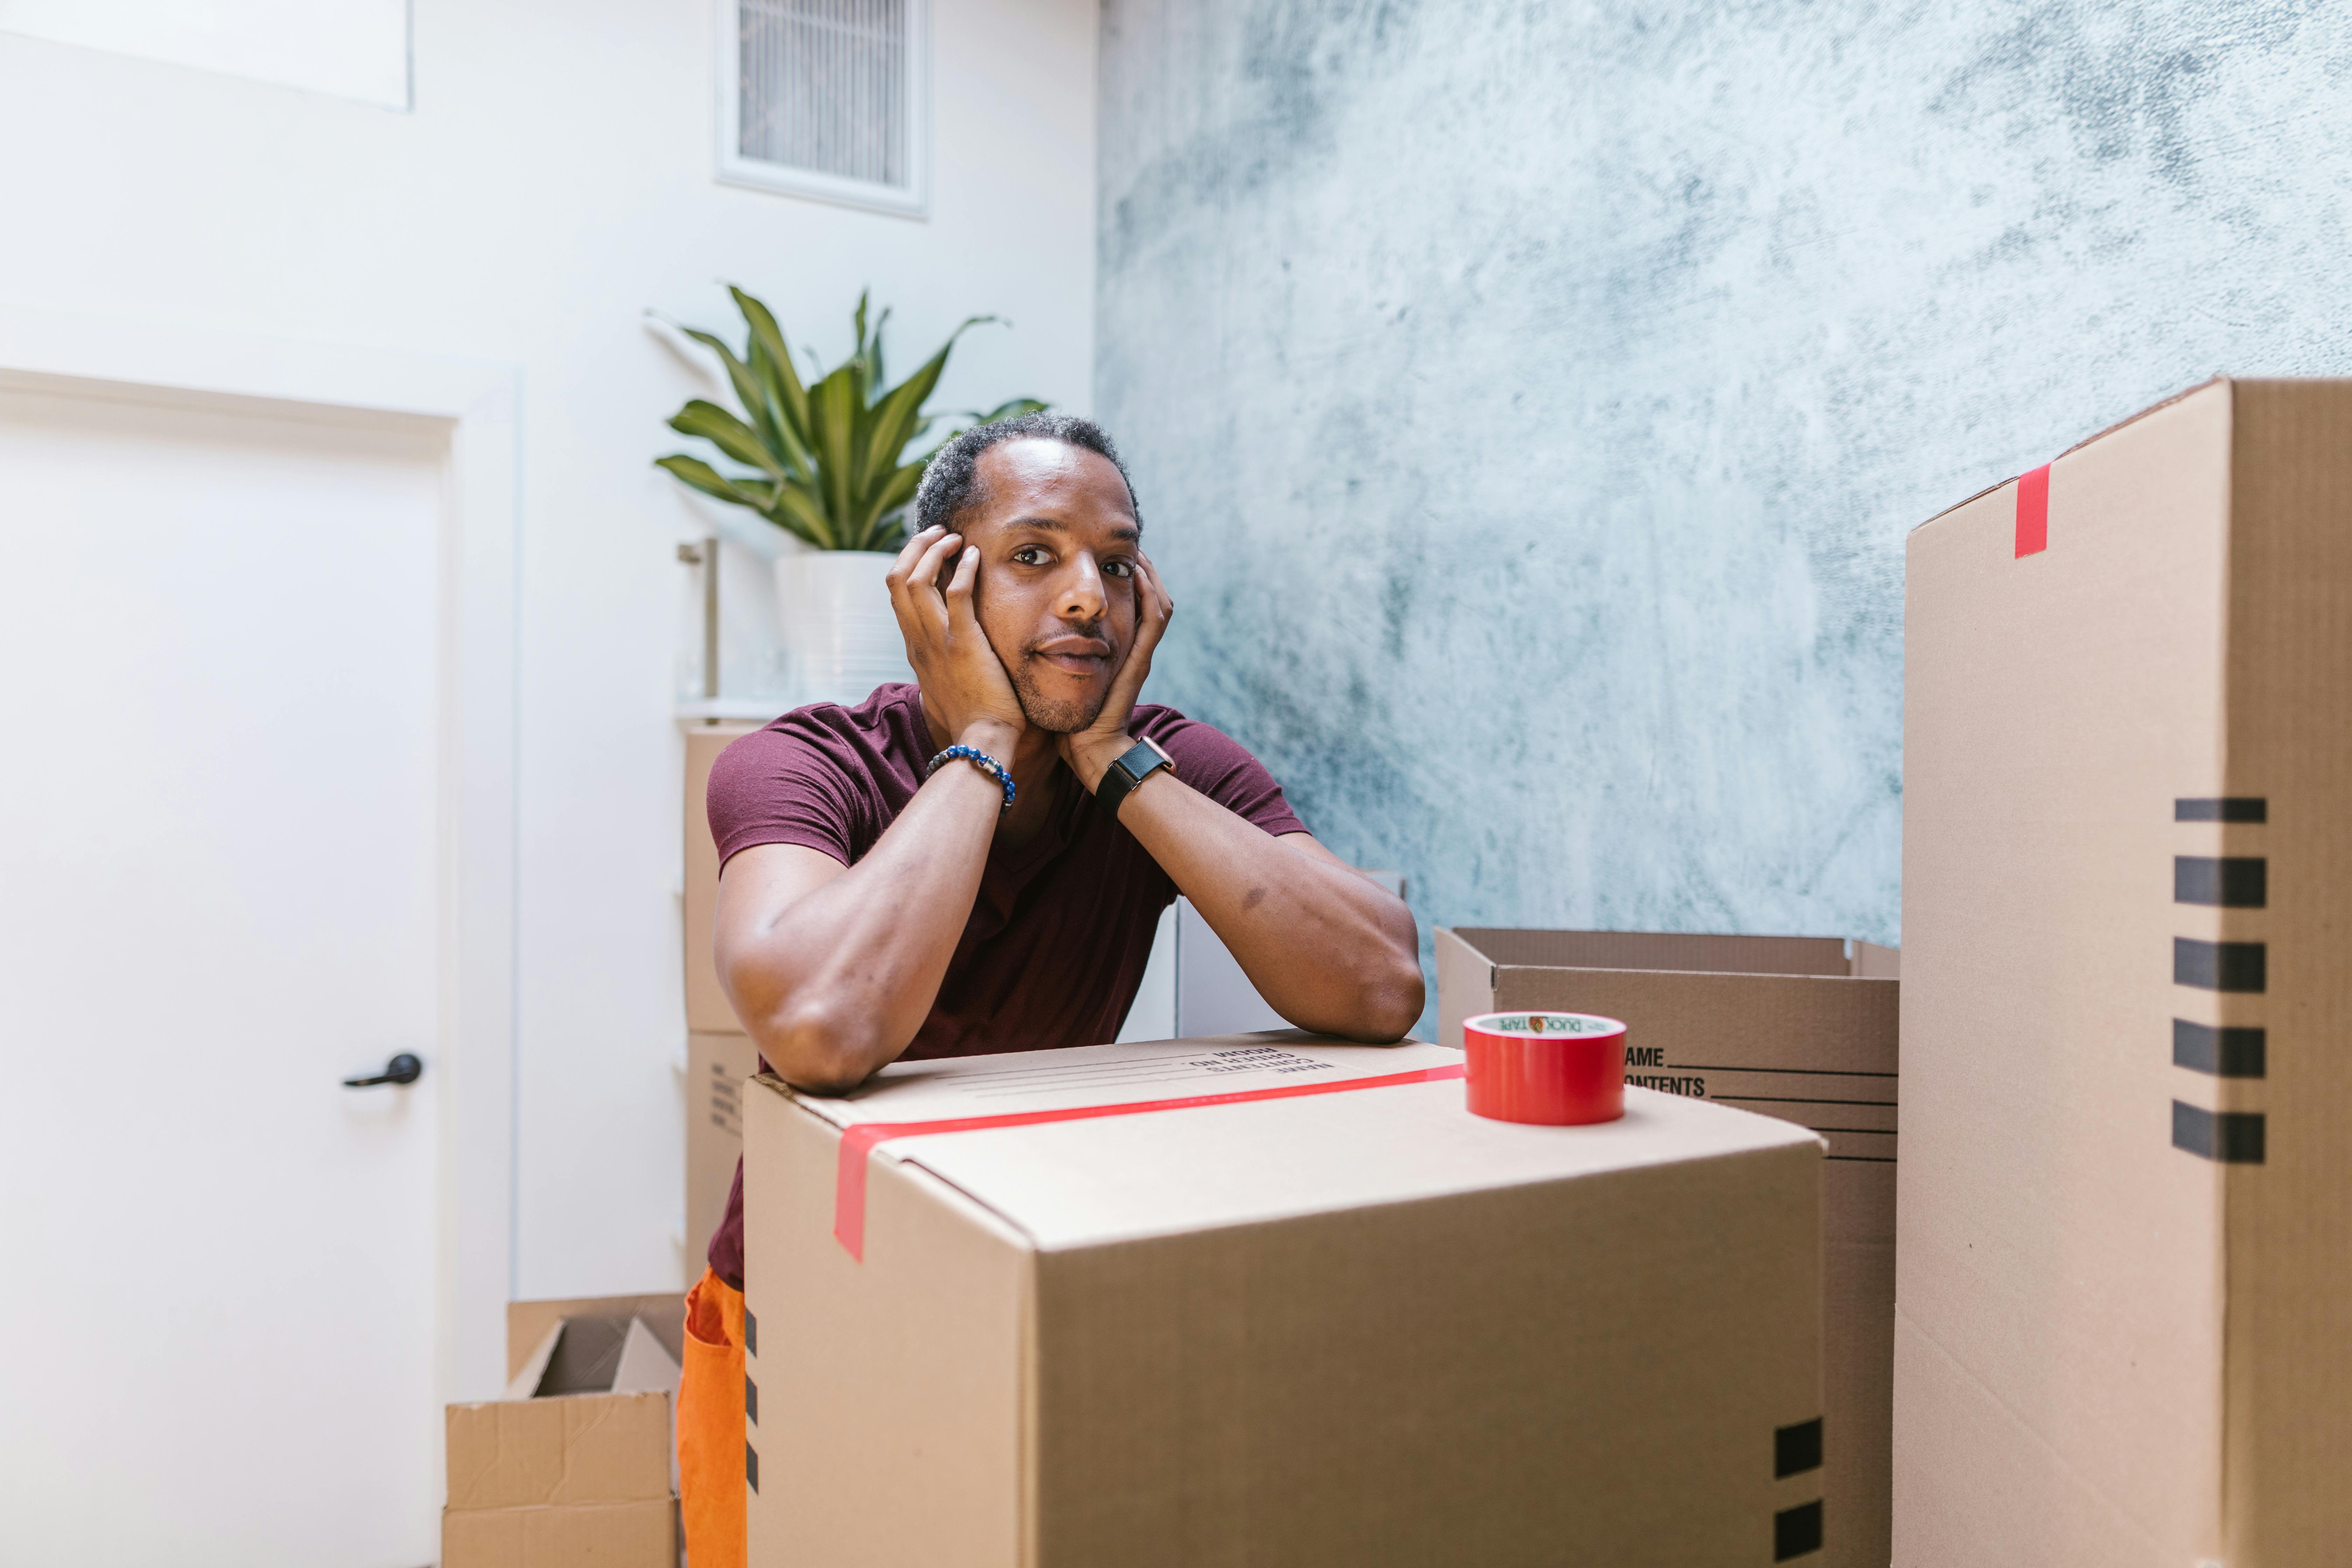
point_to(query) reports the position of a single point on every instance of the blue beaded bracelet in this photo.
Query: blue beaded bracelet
(982, 760)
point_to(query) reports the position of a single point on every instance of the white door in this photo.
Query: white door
(219, 895)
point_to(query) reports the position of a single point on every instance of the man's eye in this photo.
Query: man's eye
(1030, 555)
(1118, 568)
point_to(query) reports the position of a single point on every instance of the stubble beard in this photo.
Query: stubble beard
(1054, 715)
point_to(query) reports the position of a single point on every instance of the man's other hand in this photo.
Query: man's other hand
(965, 689)
(1091, 751)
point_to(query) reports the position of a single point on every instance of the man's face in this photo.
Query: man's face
(1058, 540)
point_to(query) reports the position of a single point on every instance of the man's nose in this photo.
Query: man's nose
(1082, 598)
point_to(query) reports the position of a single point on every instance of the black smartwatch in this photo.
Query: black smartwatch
(1120, 779)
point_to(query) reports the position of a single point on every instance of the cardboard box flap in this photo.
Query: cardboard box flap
(2182, 396)
(663, 1313)
(1691, 952)
(646, 1365)
(527, 1378)
(1095, 1181)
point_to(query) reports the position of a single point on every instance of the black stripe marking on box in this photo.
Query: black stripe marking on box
(1796, 1530)
(751, 1466)
(751, 1402)
(2218, 965)
(2233, 808)
(2230, 1137)
(1796, 1450)
(2226, 882)
(750, 1333)
(2223, 1052)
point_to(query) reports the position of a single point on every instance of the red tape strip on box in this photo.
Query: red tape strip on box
(858, 1142)
(2034, 513)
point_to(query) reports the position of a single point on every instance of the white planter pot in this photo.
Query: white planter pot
(841, 638)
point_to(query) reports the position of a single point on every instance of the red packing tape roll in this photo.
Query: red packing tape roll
(858, 1142)
(1557, 1069)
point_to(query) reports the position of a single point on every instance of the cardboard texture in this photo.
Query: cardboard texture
(1357, 1328)
(576, 1463)
(717, 1066)
(621, 1535)
(1803, 1028)
(2124, 1284)
(706, 1007)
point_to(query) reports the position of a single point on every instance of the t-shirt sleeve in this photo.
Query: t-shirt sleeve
(784, 785)
(1221, 768)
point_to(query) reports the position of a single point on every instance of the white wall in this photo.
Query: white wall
(552, 181)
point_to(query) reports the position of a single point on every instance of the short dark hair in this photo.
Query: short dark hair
(952, 484)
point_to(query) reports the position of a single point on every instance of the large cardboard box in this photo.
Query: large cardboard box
(1803, 1028)
(576, 1463)
(2124, 1329)
(1352, 1327)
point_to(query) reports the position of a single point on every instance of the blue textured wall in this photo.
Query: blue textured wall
(1528, 403)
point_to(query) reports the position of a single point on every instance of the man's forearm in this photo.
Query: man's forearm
(1326, 947)
(834, 983)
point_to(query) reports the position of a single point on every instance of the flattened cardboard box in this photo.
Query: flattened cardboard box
(1803, 1028)
(2124, 1330)
(1359, 1328)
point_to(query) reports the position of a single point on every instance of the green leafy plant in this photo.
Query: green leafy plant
(828, 458)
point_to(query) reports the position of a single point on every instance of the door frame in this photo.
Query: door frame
(477, 405)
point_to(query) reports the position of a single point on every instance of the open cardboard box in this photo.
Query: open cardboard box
(1801, 1028)
(576, 1463)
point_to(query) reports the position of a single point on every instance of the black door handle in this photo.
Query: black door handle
(402, 1069)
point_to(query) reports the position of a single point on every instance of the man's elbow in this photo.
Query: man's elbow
(1395, 1004)
(814, 1047)
(1387, 1004)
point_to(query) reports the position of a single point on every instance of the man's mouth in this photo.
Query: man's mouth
(1077, 655)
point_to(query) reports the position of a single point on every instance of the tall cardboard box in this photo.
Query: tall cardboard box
(2124, 1330)
(719, 1054)
(1302, 1324)
(575, 1465)
(1803, 1028)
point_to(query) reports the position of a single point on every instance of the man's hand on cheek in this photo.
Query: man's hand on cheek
(964, 684)
(1093, 749)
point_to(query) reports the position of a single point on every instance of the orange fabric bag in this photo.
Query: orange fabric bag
(712, 1495)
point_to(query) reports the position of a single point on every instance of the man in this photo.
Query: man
(976, 863)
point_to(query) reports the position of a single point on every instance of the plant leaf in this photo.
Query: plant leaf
(1012, 408)
(729, 434)
(799, 509)
(833, 422)
(896, 491)
(892, 422)
(783, 378)
(738, 374)
(709, 480)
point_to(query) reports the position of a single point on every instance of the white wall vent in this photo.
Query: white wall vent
(826, 98)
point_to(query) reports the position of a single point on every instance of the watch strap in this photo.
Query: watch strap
(1139, 762)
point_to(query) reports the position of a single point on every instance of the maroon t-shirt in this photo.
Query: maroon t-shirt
(1062, 926)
